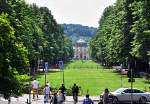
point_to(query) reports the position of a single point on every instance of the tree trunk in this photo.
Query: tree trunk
(138, 66)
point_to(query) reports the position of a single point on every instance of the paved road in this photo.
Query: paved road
(23, 100)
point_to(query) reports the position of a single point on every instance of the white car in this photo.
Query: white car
(124, 95)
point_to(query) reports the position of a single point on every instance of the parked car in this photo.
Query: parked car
(123, 95)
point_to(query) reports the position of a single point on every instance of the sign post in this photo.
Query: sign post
(46, 70)
(61, 66)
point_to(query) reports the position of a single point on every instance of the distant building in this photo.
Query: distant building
(81, 50)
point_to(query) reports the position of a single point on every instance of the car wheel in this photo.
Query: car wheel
(142, 100)
(115, 100)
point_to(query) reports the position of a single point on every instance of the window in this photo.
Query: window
(138, 91)
(127, 91)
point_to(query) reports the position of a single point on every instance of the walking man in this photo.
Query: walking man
(63, 90)
(75, 91)
(46, 92)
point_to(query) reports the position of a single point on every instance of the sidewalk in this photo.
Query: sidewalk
(23, 100)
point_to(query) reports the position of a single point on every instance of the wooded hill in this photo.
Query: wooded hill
(77, 31)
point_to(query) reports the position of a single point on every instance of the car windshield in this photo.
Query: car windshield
(119, 90)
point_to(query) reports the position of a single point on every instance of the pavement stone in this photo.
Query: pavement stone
(23, 100)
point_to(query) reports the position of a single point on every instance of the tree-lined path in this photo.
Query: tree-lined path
(30, 37)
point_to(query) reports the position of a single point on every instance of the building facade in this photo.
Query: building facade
(81, 50)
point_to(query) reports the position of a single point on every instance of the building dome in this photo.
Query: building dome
(81, 41)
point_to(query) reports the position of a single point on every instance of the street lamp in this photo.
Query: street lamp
(131, 80)
(29, 99)
(29, 72)
(131, 86)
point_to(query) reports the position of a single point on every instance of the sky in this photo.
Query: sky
(85, 12)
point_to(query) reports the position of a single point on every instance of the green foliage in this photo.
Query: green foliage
(123, 35)
(13, 55)
(32, 34)
(140, 29)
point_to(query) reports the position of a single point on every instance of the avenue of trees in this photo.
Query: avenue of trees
(28, 33)
(123, 36)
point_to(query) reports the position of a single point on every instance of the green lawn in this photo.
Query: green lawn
(90, 76)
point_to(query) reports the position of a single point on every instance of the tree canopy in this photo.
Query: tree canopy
(28, 33)
(123, 35)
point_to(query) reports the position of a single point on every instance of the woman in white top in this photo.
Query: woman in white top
(35, 86)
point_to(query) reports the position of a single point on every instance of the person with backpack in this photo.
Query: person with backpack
(87, 100)
(63, 90)
(46, 92)
(75, 91)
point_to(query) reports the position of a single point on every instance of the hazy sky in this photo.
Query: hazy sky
(85, 12)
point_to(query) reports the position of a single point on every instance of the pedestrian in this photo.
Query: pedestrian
(60, 97)
(46, 92)
(63, 90)
(75, 91)
(87, 100)
(106, 96)
(54, 99)
(48, 84)
(35, 86)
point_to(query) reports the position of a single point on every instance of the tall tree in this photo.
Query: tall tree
(13, 55)
(123, 35)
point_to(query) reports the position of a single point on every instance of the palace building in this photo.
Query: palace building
(81, 50)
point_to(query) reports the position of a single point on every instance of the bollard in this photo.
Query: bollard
(27, 101)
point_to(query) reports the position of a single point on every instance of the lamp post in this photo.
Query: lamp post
(29, 72)
(131, 86)
(29, 99)
(131, 80)
(121, 67)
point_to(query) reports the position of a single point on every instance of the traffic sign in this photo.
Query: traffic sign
(46, 67)
(61, 65)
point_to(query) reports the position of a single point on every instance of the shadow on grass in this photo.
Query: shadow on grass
(146, 81)
(42, 73)
(116, 71)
